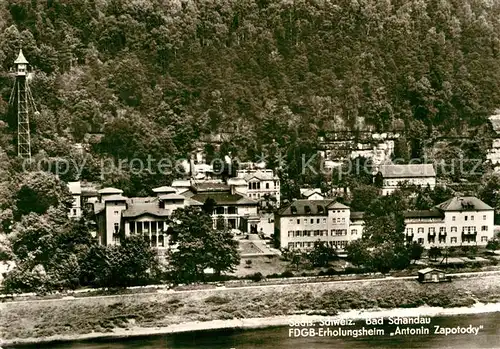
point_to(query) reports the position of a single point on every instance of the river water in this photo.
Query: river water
(279, 338)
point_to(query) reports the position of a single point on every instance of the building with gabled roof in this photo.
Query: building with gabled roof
(392, 176)
(181, 185)
(261, 184)
(459, 221)
(311, 193)
(236, 210)
(303, 222)
(432, 275)
(464, 203)
(117, 215)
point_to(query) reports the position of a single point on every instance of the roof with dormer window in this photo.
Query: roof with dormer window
(307, 208)
(432, 213)
(464, 203)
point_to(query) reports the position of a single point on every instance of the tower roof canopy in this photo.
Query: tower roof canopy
(20, 58)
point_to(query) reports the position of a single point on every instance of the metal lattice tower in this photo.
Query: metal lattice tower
(21, 99)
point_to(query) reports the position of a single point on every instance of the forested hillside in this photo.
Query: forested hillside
(156, 75)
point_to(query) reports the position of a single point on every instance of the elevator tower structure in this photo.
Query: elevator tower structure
(22, 101)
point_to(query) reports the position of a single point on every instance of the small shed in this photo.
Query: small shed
(432, 275)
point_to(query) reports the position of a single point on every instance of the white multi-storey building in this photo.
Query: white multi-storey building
(460, 221)
(392, 176)
(118, 216)
(231, 207)
(76, 191)
(261, 183)
(302, 223)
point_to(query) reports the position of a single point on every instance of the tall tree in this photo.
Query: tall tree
(38, 191)
(199, 246)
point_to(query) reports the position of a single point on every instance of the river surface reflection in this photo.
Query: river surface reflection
(278, 338)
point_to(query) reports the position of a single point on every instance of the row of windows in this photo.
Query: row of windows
(336, 244)
(415, 181)
(453, 218)
(300, 233)
(453, 240)
(145, 226)
(442, 230)
(318, 220)
(469, 230)
(258, 195)
(256, 185)
(223, 210)
(155, 240)
(311, 220)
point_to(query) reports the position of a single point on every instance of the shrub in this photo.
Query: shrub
(287, 274)
(493, 245)
(217, 300)
(351, 270)
(22, 279)
(256, 277)
(331, 271)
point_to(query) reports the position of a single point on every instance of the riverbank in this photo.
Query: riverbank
(255, 323)
(140, 315)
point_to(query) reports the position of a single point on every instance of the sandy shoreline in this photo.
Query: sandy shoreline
(253, 323)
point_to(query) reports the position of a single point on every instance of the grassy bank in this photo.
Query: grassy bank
(22, 320)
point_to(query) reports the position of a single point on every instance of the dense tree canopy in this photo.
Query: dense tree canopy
(260, 72)
(382, 246)
(38, 191)
(199, 246)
